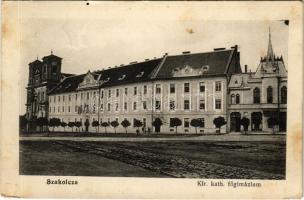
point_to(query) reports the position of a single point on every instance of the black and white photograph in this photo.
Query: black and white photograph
(151, 99)
(208, 101)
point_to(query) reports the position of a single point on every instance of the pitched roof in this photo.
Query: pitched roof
(215, 63)
(68, 84)
(35, 62)
(115, 76)
(50, 57)
(129, 73)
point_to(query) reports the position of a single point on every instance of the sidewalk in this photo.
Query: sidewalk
(224, 137)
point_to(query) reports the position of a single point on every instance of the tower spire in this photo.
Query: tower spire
(270, 55)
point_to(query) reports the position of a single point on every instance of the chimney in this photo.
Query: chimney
(219, 49)
(245, 68)
(234, 47)
(186, 52)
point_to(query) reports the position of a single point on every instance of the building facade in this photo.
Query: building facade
(189, 86)
(259, 95)
(185, 86)
(43, 76)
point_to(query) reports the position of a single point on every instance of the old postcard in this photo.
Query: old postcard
(151, 99)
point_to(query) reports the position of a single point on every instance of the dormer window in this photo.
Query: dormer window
(235, 81)
(69, 85)
(107, 79)
(140, 75)
(175, 69)
(205, 68)
(122, 77)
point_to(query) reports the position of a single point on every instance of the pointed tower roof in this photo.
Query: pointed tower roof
(270, 54)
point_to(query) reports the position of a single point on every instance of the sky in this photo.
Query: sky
(94, 44)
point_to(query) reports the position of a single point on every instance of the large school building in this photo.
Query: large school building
(187, 86)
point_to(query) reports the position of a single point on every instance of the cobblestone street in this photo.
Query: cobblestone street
(164, 158)
(163, 163)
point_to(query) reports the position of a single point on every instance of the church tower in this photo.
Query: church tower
(271, 64)
(43, 76)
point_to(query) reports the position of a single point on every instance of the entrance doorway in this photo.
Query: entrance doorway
(235, 122)
(157, 124)
(87, 124)
(256, 121)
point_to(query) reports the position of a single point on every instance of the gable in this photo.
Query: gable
(88, 81)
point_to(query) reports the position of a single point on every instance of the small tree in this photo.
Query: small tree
(157, 123)
(40, 122)
(272, 122)
(95, 124)
(105, 125)
(245, 123)
(137, 124)
(196, 123)
(63, 124)
(71, 125)
(57, 122)
(52, 123)
(114, 124)
(219, 122)
(125, 123)
(256, 121)
(78, 124)
(176, 122)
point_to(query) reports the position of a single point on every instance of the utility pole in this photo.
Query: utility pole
(152, 107)
(98, 117)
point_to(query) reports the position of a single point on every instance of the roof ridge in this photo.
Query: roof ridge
(127, 65)
(200, 52)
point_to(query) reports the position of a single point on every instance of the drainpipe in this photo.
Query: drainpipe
(98, 107)
(152, 107)
(278, 99)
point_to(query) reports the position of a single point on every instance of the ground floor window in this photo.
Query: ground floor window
(186, 123)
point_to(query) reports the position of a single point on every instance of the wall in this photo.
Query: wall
(209, 113)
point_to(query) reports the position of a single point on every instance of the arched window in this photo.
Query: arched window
(232, 99)
(269, 95)
(256, 95)
(237, 99)
(284, 95)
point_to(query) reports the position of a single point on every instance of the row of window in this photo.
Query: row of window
(172, 86)
(172, 106)
(269, 91)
